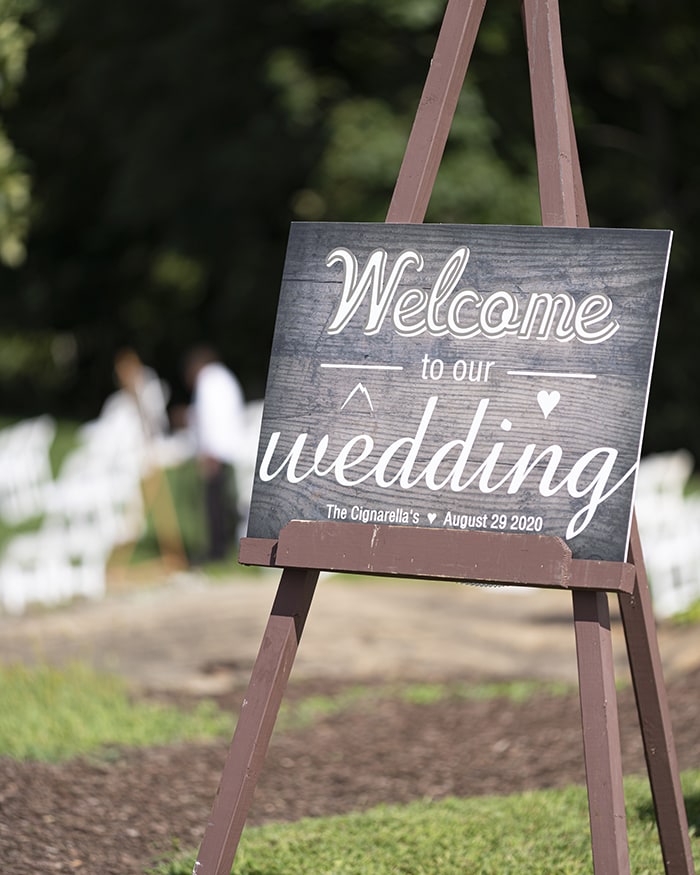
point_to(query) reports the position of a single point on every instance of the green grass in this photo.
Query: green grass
(689, 617)
(538, 833)
(55, 714)
(65, 440)
(52, 714)
(306, 711)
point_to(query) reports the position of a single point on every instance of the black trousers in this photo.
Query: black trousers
(220, 505)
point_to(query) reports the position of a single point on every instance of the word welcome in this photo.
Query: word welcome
(450, 466)
(463, 313)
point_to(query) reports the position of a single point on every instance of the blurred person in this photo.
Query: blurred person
(148, 399)
(145, 389)
(216, 418)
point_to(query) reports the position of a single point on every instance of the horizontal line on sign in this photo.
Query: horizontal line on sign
(550, 374)
(366, 367)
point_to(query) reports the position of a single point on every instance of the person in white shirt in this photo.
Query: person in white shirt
(217, 421)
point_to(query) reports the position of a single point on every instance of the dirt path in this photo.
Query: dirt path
(197, 635)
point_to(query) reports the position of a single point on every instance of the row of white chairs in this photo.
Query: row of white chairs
(25, 468)
(94, 504)
(669, 528)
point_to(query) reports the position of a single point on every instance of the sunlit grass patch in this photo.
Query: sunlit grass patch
(55, 714)
(538, 833)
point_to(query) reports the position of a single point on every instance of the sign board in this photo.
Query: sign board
(461, 376)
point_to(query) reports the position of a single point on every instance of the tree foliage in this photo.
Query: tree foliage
(171, 143)
(15, 40)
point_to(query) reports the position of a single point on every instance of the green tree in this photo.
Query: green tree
(15, 40)
(171, 143)
(635, 84)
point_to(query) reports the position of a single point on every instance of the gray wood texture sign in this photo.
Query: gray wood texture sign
(461, 376)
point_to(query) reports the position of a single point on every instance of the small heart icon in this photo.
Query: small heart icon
(548, 401)
(431, 518)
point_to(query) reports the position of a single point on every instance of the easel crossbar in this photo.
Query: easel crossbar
(436, 554)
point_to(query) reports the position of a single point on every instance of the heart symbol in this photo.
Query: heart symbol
(548, 401)
(431, 518)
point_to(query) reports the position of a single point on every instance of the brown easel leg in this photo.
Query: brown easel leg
(256, 721)
(436, 110)
(563, 204)
(654, 718)
(601, 733)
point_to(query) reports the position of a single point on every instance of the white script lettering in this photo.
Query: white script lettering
(450, 466)
(463, 313)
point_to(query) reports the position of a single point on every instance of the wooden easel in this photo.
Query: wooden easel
(305, 548)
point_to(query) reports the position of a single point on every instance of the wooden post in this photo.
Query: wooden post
(562, 203)
(654, 717)
(256, 722)
(436, 109)
(601, 734)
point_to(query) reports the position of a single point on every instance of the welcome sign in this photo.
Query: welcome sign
(461, 376)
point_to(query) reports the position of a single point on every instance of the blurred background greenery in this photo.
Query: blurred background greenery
(152, 156)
